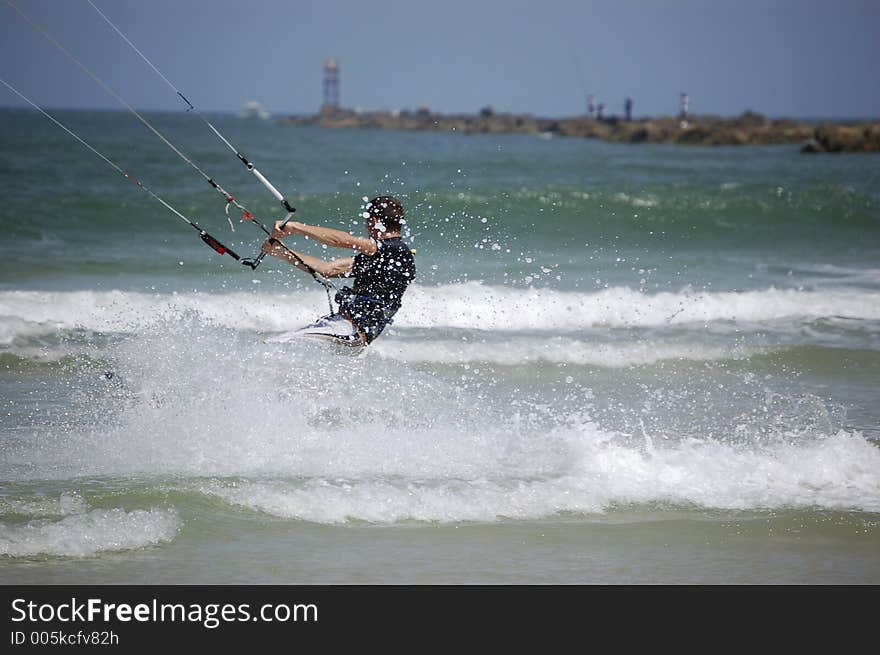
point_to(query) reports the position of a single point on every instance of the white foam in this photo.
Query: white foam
(554, 350)
(126, 311)
(470, 305)
(405, 444)
(83, 535)
(636, 201)
(832, 274)
(795, 470)
(16, 327)
(473, 305)
(840, 472)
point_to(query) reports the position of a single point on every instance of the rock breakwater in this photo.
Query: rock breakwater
(749, 128)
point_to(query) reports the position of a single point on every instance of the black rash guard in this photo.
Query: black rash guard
(379, 282)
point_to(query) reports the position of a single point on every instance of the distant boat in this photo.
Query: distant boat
(253, 109)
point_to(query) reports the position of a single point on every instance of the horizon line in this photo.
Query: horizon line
(274, 115)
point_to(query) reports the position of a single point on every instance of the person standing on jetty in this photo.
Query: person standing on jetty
(382, 269)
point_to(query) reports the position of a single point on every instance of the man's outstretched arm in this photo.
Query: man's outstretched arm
(334, 268)
(326, 235)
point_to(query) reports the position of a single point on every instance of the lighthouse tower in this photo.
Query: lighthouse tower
(331, 87)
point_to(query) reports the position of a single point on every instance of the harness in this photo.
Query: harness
(368, 314)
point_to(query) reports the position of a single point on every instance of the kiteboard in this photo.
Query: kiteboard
(333, 329)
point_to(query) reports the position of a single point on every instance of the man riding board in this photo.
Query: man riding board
(381, 270)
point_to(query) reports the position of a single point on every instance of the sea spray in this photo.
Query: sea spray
(278, 428)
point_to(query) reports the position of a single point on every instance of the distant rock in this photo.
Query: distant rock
(831, 137)
(750, 128)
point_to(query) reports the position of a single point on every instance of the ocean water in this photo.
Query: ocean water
(618, 363)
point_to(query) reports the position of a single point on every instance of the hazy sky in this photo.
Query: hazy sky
(807, 58)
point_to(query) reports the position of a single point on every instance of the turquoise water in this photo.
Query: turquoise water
(618, 363)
